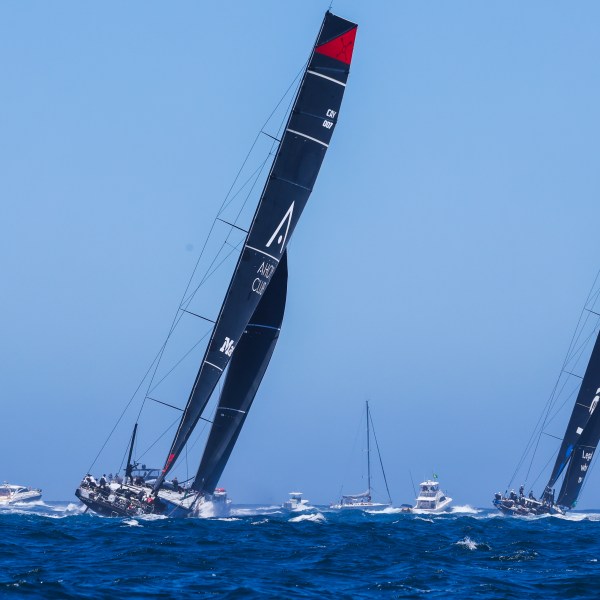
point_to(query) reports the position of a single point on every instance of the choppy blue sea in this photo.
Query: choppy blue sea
(55, 551)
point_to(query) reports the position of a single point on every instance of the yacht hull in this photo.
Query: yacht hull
(526, 508)
(117, 500)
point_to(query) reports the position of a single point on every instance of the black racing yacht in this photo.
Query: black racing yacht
(242, 338)
(580, 439)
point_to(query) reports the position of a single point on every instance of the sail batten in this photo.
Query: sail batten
(292, 176)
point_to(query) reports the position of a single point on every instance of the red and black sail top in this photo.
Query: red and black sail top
(337, 39)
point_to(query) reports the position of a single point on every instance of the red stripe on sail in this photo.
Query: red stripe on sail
(169, 461)
(340, 47)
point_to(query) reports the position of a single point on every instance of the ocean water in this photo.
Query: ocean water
(55, 551)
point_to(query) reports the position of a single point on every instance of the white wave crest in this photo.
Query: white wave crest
(314, 517)
(465, 510)
(467, 543)
(131, 523)
(212, 510)
(256, 511)
(388, 510)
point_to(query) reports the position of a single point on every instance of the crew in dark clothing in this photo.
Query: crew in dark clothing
(175, 484)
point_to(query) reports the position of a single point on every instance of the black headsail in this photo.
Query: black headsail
(246, 370)
(293, 174)
(580, 421)
(581, 458)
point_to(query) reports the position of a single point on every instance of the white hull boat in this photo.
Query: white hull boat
(13, 494)
(296, 502)
(431, 499)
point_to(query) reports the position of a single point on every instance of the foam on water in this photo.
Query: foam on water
(470, 544)
(388, 510)
(314, 518)
(464, 510)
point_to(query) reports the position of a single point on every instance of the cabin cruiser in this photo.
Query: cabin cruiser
(11, 494)
(522, 506)
(362, 501)
(296, 502)
(431, 498)
(135, 497)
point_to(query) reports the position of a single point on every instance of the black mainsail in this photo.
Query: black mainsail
(580, 430)
(293, 174)
(246, 370)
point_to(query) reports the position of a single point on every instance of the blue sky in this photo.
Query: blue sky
(438, 270)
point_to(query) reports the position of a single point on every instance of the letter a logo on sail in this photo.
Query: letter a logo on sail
(281, 238)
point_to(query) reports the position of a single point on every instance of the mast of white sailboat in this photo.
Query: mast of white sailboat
(368, 450)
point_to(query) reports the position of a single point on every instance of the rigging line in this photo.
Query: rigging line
(379, 455)
(550, 460)
(574, 374)
(258, 136)
(219, 212)
(234, 248)
(271, 136)
(122, 413)
(164, 403)
(232, 225)
(239, 191)
(559, 409)
(158, 438)
(180, 361)
(178, 462)
(189, 312)
(552, 436)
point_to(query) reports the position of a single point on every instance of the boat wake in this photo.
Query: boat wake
(314, 518)
(54, 510)
(464, 510)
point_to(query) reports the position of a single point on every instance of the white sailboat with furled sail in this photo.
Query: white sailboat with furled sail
(246, 330)
(364, 500)
(580, 439)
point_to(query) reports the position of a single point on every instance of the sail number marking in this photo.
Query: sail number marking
(227, 347)
(331, 114)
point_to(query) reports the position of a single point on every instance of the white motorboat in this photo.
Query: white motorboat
(11, 494)
(431, 498)
(296, 502)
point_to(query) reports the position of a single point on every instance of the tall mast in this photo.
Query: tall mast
(129, 467)
(368, 450)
